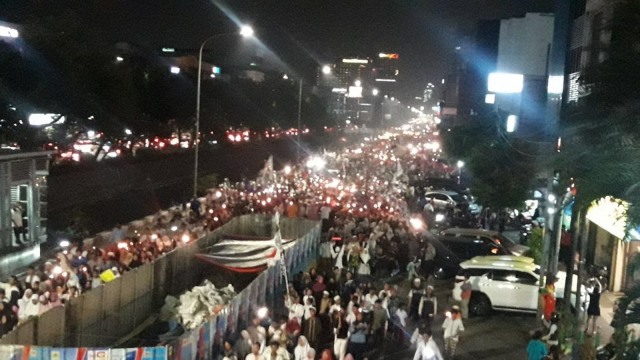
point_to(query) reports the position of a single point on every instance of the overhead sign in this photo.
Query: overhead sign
(355, 61)
(389, 56)
(6, 31)
(45, 119)
(355, 92)
(503, 83)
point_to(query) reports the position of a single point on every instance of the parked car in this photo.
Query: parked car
(451, 251)
(446, 199)
(508, 283)
(486, 236)
(446, 262)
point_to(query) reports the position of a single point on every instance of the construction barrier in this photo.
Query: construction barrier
(99, 318)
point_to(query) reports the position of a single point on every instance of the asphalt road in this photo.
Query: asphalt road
(499, 336)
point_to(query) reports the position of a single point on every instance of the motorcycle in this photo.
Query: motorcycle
(606, 352)
(525, 234)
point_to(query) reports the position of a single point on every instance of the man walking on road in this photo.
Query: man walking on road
(427, 348)
(452, 328)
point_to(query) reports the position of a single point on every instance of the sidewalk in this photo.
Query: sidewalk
(607, 302)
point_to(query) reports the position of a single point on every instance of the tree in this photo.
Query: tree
(601, 142)
(502, 167)
(601, 133)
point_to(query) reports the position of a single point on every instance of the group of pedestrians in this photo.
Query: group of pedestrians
(370, 293)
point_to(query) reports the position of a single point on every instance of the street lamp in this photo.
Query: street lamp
(375, 92)
(460, 165)
(326, 69)
(245, 31)
(358, 83)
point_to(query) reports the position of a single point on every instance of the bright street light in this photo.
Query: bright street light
(460, 164)
(6, 31)
(375, 92)
(358, 83)
(512, 120)
(245, 31)
(326, 69)
(416, 223)
(119, 59)
(262, 312)
(175, 70)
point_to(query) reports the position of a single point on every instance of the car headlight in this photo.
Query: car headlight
(439, 217)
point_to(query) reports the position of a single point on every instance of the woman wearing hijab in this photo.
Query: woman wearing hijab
(301, 351)
(31, 308)
(25, 299)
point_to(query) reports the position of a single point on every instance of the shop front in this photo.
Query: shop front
(610, 244)
(23, 208)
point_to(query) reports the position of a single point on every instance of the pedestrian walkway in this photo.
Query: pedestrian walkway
(607, 308)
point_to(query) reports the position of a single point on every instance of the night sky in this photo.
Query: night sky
(304, 33)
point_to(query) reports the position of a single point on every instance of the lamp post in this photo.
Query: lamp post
(245, 31)
(299, 117)
(460, 165)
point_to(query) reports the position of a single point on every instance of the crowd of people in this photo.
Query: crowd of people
(342, 310)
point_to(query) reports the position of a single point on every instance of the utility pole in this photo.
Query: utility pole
(299, 118)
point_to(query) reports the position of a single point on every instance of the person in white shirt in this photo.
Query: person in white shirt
(452, 329)
(255, 353)
(400, 322)
(401, 315)
(336, 307)
(325, 212)
(427, 348)
(295, 308)
(370, 299)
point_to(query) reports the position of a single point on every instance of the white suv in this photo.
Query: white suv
(509, 283)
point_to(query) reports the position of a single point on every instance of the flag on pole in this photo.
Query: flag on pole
(277, 241)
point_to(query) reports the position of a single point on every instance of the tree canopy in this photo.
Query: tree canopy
(601, 132)
(502, 167)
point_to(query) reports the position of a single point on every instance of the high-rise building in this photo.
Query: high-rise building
(344, 72)
(590, 37)
(357, 85)
(385, 72)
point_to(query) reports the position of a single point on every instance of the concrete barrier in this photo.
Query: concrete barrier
(102, 316)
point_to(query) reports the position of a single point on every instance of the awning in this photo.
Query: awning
(610, 214)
